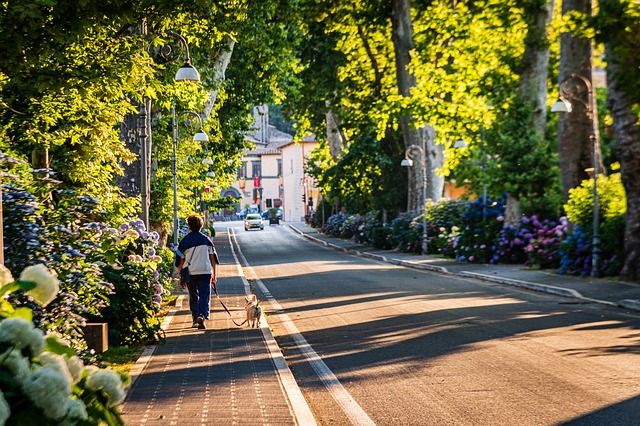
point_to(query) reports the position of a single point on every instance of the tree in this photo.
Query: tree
(618, 24)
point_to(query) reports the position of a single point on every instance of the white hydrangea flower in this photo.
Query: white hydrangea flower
(47, 284)
(76, 368)
(77, 411)
(49, 389)
(16, 363)
(58, 361)
(107, 381)
(21, 334)
(5, 410)
(5, 275)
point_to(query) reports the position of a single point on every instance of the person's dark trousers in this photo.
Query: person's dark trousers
(199, 295)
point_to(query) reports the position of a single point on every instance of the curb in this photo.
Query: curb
(543, 288)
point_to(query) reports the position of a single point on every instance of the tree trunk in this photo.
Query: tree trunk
(533, 82)
(135, 133)
(435, 160)
(535, 62)
(335, 136)
(627, 135)
(129, 181)
(402, 36)
(574, 129)
(220, 64)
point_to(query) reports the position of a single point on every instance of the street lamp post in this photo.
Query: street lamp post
(408, 162)
(200, 136)
(570, 90)
(185, 73)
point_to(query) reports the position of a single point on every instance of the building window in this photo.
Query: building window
(242, 170)
(279, 165)
(256, 169)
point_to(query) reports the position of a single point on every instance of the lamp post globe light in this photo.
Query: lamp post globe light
(199, 136)
(186, 72)
(408, 162)
(571, 89)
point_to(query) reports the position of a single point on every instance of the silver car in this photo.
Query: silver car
(253, 220)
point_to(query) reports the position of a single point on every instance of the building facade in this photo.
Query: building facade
(272, 173)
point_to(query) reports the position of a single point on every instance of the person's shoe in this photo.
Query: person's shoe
(200, 321)
(195, 324)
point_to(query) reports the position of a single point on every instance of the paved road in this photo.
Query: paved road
(370, 342)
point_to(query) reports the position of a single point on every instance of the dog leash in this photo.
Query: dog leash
(215, 290)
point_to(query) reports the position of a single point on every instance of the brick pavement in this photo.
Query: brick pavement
(221, 375)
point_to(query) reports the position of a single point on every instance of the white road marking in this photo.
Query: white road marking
(299, 405)
(351, 408)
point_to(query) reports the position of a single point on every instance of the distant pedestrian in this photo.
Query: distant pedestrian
(197, 252)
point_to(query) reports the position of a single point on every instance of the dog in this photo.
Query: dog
(254, 311)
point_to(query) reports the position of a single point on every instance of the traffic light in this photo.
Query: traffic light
(304, 198)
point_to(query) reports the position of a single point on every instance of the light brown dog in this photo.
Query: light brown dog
(254, 311)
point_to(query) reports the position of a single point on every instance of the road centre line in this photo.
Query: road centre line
(351, 408)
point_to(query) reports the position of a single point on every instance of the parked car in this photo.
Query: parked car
(265, 214)
(253, 220)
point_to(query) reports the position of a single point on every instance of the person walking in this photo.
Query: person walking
(197, 252)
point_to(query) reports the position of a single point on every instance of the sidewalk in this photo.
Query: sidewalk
(224, 374)
(604, 291)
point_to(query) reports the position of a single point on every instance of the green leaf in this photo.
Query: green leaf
(53, 345)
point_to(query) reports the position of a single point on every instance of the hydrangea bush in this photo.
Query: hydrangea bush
(42, 381)
(473, 232)
(54, 236)
(63, 230)
(131, 262)
(481, 225)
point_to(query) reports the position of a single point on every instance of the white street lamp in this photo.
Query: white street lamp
(571, 89)
(408, 162)
(186, 72)
(199, 136)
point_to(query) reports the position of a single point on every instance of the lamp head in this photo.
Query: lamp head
(187, 72)
(407, 162)
(460, 143)
(208, 161)
(201, 136)
(211, 174)
(561, 105)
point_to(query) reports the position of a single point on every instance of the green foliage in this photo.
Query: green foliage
(323, 211)
(611, 197)
(527, 166)
(139, 276)
(612, 208)
(380, 237)
(618, 25)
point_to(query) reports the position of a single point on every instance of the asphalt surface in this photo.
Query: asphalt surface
(231, 375)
